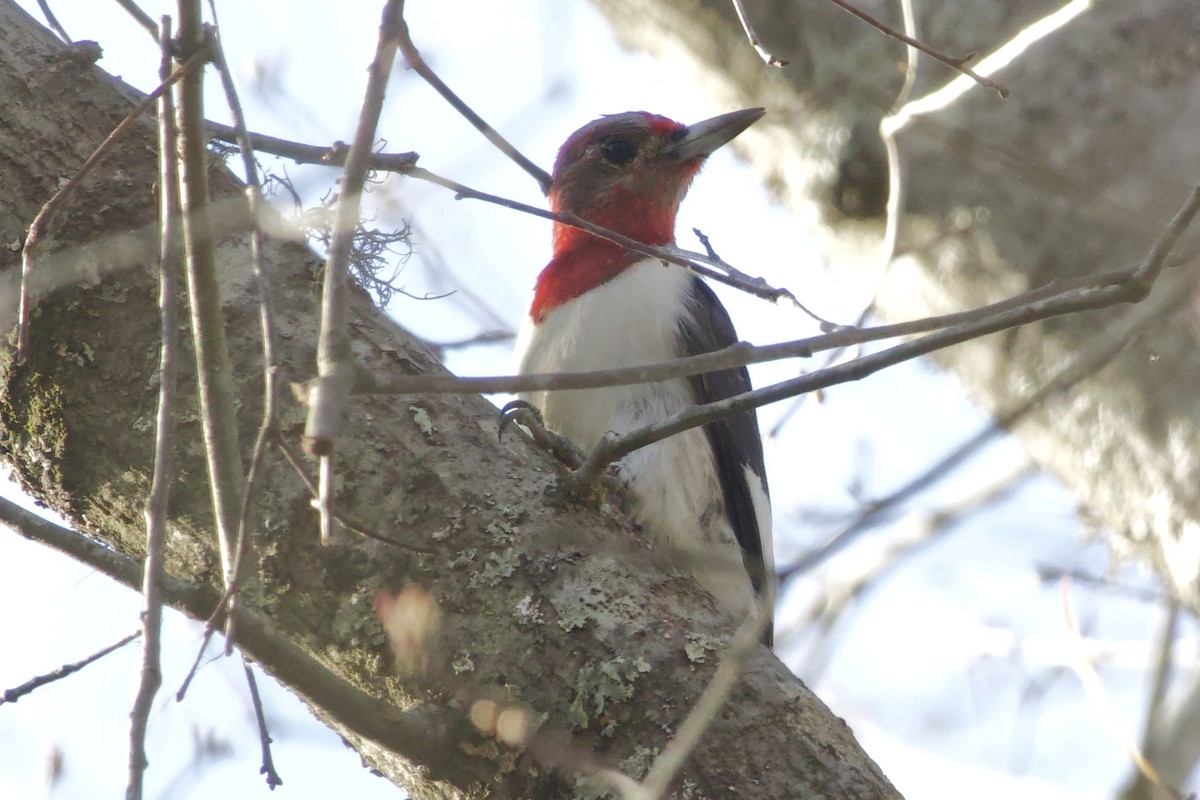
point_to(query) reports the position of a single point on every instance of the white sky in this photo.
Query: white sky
(940, 670)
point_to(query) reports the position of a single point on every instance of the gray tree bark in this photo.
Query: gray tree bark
(1077, 172)
(547, 606)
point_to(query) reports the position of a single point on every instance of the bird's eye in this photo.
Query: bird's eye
(618, 151)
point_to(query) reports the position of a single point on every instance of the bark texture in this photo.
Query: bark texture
(548, 606)
(1077, 172)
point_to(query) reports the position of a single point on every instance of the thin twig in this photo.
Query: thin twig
(42, 225)
(17, 692)
(406, 164)
(1047, 573)
(413, 56)
(741, 279)
(1098, 353)
(330, 391)
(1172, 747)
(214, 371)
(709, 704)
(894, 208)
(752, 36)
(296, 460)
(995, 61)
(671, 254)
(210, 628)
(1125, 287)
(266, 317)
(445, 280)
(156, 503)
(1160, 681)
(701, 716)
(1102, 702)
(140, 16)
(895, 164)
(264, 738)
(1016, 309)
(332, 156)
(959, 64)
(53, 22)
(916, 533)
(440, 348)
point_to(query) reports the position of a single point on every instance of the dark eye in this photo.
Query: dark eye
(618, 151)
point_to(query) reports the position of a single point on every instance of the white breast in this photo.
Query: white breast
(629, 321)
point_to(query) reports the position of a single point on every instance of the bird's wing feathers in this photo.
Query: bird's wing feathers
(735, 441)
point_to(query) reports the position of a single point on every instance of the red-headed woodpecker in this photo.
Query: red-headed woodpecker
(598, 306)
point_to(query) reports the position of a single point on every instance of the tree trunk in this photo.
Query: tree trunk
(546, 606)
(1077, 172)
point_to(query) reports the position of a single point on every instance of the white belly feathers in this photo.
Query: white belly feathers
(629, 321)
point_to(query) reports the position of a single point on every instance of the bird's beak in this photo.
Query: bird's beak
(701, 139)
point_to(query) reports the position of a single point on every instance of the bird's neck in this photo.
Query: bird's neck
(582, 261)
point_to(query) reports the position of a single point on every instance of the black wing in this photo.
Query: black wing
(735, 441)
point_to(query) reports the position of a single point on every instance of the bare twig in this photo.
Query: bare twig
(917, 532)
(266, 315)
(1047, 573)
(742, 280)
(53, 22)
(1123, 286)
(1160, 680)
(752, 36)
(1099, 352)
(1102, 702)
(702, 715)
(264, 738)
(210, 628)
(17, 692)
(140, 16)
(330, 391)
(296, 460)
(164, 429)
(405, 164)
(895, 164)
(440, 348)
(670, 254)
(324, 501)
(214, 372)
(413, 56)
(1174, 742)
(959, 64)
(708, 706)
(994, 62)
(743, 353)
(42, 225)
(332, 156)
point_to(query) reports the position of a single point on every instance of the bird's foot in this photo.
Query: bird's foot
(527, 416)
(579, 485)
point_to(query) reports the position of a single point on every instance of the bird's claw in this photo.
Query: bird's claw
(529, 417)
(511, 410)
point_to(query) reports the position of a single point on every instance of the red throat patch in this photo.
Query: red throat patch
(584, 265)
(583, 261)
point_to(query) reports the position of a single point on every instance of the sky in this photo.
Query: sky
(953, 669)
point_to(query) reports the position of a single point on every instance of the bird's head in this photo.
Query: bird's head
(628, 173)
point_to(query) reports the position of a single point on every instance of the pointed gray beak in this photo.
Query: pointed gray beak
(701, 139)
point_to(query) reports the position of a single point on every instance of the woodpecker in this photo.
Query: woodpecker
(599, 306)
